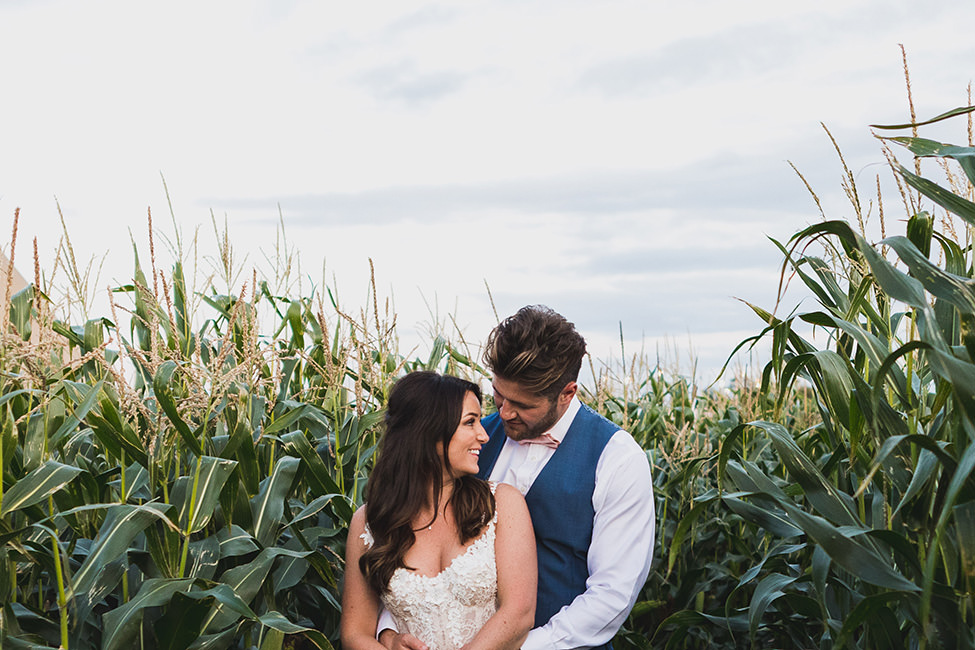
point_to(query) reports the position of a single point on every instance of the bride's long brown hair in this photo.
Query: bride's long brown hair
(424, 409)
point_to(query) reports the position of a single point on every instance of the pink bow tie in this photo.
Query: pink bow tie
(544, 439)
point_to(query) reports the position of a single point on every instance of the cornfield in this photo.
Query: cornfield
(181, 472)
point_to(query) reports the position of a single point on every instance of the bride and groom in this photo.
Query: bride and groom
(442, 554)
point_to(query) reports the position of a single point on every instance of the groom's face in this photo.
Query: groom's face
(525, 414)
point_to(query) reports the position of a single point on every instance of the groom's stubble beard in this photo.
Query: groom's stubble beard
(518, 429)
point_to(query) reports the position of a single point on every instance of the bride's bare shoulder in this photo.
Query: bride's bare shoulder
(508, 497)
(358, 521)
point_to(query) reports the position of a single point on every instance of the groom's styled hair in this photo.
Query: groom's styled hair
(536, 348)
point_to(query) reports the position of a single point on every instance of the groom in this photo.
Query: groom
(587, 483)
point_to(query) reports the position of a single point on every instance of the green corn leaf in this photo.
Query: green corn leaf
(762, 482)
(868, 341)
(162, 384)
(240, 445)
(948, 200)
(864, 563)
(213, 474)
(288, 367)
(920, 147)
(245, 581)
(910, 125)
(273, 640)
(116, 435)
(277, 621)
(297, 324)
(924, 148)
(683, 529)
(821, 563)
(84, 397)
(205, 555)
(235, 541)
(822, 494)
(437, 352)
(8, 440)
(965, 532)
(869, 608)
(39, 425)
(184, 331)
(920, 230)
(122, 623)
(316, 472)
(960, 374)
(924, 442)
(827, 279)
(122, 524)
(768, 590)
(6, 397)
(925, 471)
(894, 283)
(21, 310)
(731, 445)
(267, 507)
(183, 620)
(957, 290)
(107, 580)
(834, 382)
(318, 504)
(776, 552)
(959, 484)
(94, 333)
(37, 486)
(218, 641)
(285, 421)
(797, 266)
(290, 571)
(774, 522)
(140, 324)
(903, 547)
(227, 597)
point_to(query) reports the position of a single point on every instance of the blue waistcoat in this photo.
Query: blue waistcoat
(560, 504)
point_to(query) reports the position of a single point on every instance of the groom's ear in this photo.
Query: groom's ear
(567, 394)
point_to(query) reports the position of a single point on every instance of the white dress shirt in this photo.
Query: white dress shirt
(622, 536)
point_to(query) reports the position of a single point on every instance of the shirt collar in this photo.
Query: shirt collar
(560, 428)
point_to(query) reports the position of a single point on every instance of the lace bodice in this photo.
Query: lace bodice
(445, 611)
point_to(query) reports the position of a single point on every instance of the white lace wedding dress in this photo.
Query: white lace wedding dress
(445, 611)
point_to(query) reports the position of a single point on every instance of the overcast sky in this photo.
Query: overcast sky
(620, 161)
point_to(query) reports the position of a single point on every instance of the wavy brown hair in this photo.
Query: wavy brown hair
(424, 409)
(537, 348)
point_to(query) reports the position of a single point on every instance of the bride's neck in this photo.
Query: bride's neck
(446, 491)
(437, 508)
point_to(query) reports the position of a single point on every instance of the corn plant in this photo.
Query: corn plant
(862, 524)
(183, 479)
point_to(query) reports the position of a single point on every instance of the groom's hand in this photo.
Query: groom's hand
(394, 641)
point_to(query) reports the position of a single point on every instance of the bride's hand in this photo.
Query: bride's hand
(394, 641)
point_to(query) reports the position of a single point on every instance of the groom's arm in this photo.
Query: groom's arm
(389, 636)
(619, 555)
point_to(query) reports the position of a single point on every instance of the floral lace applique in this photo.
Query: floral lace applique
(366, 537)
(445, 611)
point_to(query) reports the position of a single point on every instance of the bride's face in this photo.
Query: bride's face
(465, 446)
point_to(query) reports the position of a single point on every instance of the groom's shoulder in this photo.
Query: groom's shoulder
(619, 442)
(599, 421)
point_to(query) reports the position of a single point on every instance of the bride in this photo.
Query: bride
(449, 556)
